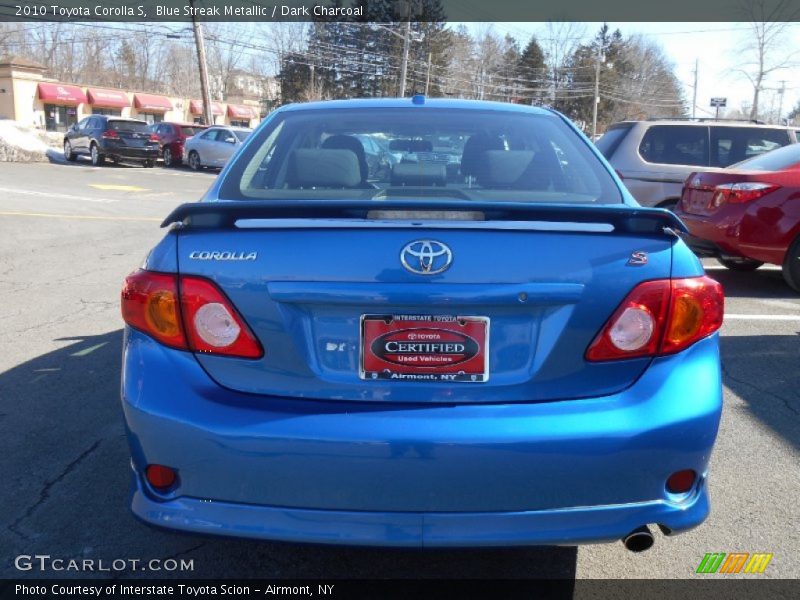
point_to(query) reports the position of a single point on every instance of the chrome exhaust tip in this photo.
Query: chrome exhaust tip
(639, 540)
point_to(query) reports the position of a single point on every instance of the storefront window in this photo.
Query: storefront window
(59, 118)
(111, 112)
(151, 117)
(240, 123)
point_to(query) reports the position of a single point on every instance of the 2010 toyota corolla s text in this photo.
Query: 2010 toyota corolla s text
(484, 341)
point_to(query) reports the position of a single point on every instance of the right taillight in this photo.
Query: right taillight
(188, 313)
(660, 317)
(745, 191)
(110, 134)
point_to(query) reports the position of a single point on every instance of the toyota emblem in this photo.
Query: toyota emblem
(426, 257)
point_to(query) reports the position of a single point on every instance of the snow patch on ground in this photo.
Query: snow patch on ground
(25, 144)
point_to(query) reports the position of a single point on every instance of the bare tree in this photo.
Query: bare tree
(560, 43)
(766, 52)
(182, 81)
(223, 57)
(643, 83)
(460, 63)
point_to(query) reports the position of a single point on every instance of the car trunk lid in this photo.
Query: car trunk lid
(701, 192)
(527, 290)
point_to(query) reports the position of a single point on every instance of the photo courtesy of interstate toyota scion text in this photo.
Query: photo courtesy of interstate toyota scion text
(474, 337)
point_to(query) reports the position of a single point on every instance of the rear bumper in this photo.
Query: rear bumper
(409, 529)
(754, 232)
(132, 153)
(702, 247)
(567, 472)
(708, 237)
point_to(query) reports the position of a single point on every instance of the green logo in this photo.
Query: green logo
(735, 562)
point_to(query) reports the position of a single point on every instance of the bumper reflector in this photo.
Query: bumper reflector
(160, 477)
(681, 481)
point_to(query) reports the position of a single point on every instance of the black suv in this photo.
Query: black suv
(115, 138)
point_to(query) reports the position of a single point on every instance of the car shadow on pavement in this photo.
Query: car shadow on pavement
(65, 456)
(761, 283)
(762, 371)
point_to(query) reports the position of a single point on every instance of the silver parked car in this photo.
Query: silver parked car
(214, 147)
(655, 157)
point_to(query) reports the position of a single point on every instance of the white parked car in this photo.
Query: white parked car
(214, 147)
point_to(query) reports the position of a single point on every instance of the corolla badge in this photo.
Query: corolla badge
(426, 257)
(222, 255)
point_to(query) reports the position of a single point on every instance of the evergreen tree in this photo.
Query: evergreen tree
(294, 78)
(532, 75)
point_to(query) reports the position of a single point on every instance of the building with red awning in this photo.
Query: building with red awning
(108, 98)
(61, 93)
(196, 108)
(29, 98)
(241, 115)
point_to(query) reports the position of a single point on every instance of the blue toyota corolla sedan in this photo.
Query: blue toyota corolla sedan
(484, 341)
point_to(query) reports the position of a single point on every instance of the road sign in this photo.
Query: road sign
(719, 102)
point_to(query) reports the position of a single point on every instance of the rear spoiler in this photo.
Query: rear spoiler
(225, 214)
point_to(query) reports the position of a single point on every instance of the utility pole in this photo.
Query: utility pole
(428, 76)
(311, 83)
(780, 102)
(404, 64)
(208, 114)
(694, 92)
(596, 95)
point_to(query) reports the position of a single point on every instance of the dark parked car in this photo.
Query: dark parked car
(172, 137)
(115, 138)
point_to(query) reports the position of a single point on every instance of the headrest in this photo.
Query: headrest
(502, 168)
(475, 146)
(348, 142)
(419, 174)
(323, 168)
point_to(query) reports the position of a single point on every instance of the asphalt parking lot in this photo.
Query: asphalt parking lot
(68, 236)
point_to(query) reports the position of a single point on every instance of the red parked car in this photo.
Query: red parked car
(748, 214)
(172, 137)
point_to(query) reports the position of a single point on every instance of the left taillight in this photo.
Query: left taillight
(188, 313)
(150, 303)
(153, 138)
(660, 317)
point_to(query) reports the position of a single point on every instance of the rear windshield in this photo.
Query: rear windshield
(190, 131)
(777, 160)
(611, 139)
(436, 153)
(130, 126)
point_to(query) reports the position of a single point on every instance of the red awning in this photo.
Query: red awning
(108, 98)
(238, 111)
(196, 108)
(151, 102)
(61, 93)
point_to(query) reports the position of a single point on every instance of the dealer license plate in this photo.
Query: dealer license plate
(425, 348)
